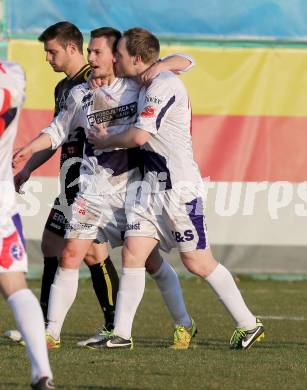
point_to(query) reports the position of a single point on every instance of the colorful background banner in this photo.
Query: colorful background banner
(249, 112)
(264, 19)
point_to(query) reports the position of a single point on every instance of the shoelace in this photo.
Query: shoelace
(180, 332)
(238, 335)
(103, 332)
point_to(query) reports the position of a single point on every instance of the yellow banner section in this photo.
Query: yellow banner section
(225, 81)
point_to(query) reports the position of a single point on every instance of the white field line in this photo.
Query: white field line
(282, 318)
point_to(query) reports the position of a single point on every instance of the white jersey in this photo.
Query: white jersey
(13, 257)
(164, 111)
(113, 107)
(12, 86)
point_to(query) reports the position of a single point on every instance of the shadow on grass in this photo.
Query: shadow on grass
(13, 385)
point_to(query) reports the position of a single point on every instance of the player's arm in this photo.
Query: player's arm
(43, 141)
(130, 138)
(52, 136)
(176, 63)
(35, 162)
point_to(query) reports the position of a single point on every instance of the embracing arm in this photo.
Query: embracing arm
(176, 63)
(130, 138)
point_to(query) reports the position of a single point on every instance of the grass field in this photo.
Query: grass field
(279, 362)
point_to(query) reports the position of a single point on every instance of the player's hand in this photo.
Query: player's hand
(21, 178)
(95, 83)
(21, 156)
(149, 74)
(96, 138)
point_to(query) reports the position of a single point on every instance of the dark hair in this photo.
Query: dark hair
(65, 33)
(111, 34)
(143, 43)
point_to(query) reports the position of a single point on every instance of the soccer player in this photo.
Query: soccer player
(104, 178)
(13, 257)
(169, 209)
(63, 44)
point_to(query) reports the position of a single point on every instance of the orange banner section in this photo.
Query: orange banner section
(227, 148)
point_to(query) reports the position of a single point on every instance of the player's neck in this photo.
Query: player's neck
(74, 67)
(140, 70)
(107, 80)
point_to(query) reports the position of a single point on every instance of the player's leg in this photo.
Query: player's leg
(52, 246)
(105, 280)
(29, 320)
(202, 263)
(131, 289)
(168, 282)
(105, 283)
(64, 288)
(190, 233)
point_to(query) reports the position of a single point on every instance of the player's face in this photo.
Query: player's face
(100, 57)
(57, 56)
(124, 62)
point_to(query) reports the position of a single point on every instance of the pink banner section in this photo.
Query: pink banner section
(227, 148)
(30, 124)
(251, 148)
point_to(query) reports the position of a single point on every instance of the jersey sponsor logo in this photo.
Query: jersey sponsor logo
(148, 112)
(133, 226)
(77, 226)
(12, 250)
(187, 235)
(113, 115)
(58, 217)
(152, 99)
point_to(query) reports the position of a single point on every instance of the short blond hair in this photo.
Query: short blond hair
(143, 43)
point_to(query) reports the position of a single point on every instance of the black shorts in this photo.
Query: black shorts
(56, 221)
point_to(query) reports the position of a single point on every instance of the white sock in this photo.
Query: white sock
(227, 291)
(30, 322)
(62, 295)
(131, 290)
(169, 285)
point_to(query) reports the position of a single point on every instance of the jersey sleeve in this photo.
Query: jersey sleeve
(12, 79)
(155, 101)
(12, 86)
(59, 128)
(183, 55)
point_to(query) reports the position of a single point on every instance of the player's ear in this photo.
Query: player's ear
(72, 48)
(137, 59)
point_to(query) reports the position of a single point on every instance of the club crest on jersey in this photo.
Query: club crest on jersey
(16, 251)
(87, 101)
(12, 249)
(148, 112)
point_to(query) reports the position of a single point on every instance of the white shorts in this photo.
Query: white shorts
(174, 219)
(103, 221)
(13, 256)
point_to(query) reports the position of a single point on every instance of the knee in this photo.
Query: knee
(70, 258)
(199, 262)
